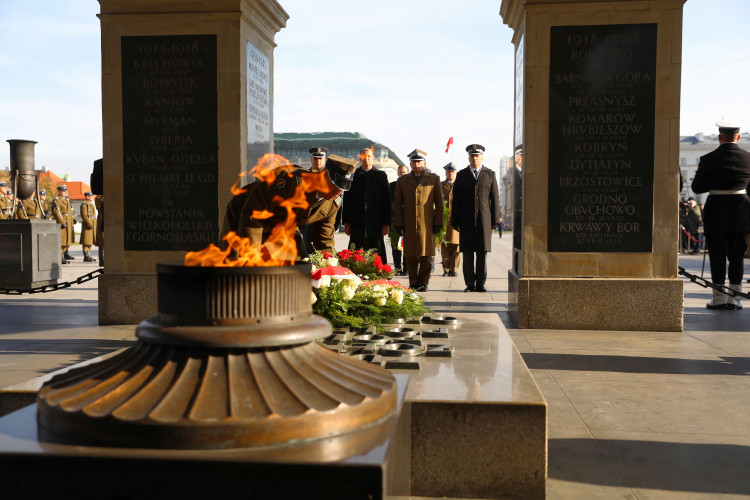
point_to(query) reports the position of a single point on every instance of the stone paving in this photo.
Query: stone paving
(643, 415)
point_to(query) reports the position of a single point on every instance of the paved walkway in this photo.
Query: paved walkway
(631, 414)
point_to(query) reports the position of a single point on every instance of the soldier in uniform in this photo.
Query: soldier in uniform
(725, 174)
(71, 224)
(30, 208)
(449, 249)
(367, 208)
(418, 216)
(46, 204)
(88, 226)
(6, 206)
(318, 163)
(61, 211)
(476, 212)
(320, 213)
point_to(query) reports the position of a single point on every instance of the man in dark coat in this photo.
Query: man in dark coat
(475, 213)
(367, 207)
(725, 174)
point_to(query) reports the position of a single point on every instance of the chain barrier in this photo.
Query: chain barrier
(706, 284)
(58, 286)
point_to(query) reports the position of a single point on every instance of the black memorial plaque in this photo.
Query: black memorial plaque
(170, 142)
(601, 138)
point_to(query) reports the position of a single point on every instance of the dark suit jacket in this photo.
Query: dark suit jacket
(367, 205)
(726, 168)
(476, 209)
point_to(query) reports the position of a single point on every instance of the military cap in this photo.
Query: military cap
(9, 192)
(318, 152)
(42, 193)
(62, 188)
(475, 149)
(451, 167)
(417, 155)
(341, 170)
(4, 184)
(728, 127)
(88, 193)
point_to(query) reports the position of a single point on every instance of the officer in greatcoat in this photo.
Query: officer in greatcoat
(725, 174)
(317, 164)
(6, 206)
(449, 248)
(30, 208)
(418, 216)
(367, 207)
(88, 226)
(61, 212)
(476, 212)
(244, 211)
(46, 204)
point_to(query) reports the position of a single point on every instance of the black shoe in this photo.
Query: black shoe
(480, 289)
(65, 262)
(424, 288)
(469, 289)
(445, 273)
(69, 257)
(453, 273)
(89, 259)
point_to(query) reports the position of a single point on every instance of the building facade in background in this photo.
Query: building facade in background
(692, 147)
(295, 148)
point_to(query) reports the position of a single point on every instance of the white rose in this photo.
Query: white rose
(314, 298)
(325, 281)
(347, 293)
(397, 296)
(380, 300)
(314, 268)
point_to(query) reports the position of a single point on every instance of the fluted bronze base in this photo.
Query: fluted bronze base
(160, 396)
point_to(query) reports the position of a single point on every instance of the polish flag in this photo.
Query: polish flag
(450, 141)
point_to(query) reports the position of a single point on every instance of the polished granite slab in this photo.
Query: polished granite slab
(478, 419)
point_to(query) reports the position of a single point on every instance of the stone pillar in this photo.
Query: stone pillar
(187, 104)
(597, 125)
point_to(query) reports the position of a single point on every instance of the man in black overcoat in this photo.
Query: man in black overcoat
(395, 252)
(367, 207)
(724, 174)
(475, 213)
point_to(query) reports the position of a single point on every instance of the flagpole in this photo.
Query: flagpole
(453, 152)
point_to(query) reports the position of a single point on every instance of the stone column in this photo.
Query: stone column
(187, 104)
(597, 124)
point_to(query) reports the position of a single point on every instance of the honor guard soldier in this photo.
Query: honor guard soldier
(418, 216)
(46, 204)
(476, 212)
(6, 206)
(725, 174)
(320, 213)
(71, 224)
(449, 249)
(318, 163)
(30, 208)
(367, 207)
(61, 211)
(88, 226)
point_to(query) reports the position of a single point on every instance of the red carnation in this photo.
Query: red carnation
(387, 268)
(378, 261)
(327, 255)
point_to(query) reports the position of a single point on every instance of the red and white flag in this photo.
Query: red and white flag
(450, 141)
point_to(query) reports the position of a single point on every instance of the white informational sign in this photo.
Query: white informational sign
(519, 93)
(258, 105)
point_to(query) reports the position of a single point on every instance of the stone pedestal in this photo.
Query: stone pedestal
(187, 105)
(29, 253)
(597, 138)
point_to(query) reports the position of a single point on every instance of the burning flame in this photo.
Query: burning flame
(280, 249)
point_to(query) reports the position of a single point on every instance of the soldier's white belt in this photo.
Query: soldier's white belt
(727, 191)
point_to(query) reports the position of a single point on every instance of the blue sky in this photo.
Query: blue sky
(403, 72)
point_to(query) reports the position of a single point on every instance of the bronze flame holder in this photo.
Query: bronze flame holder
(228, 362)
